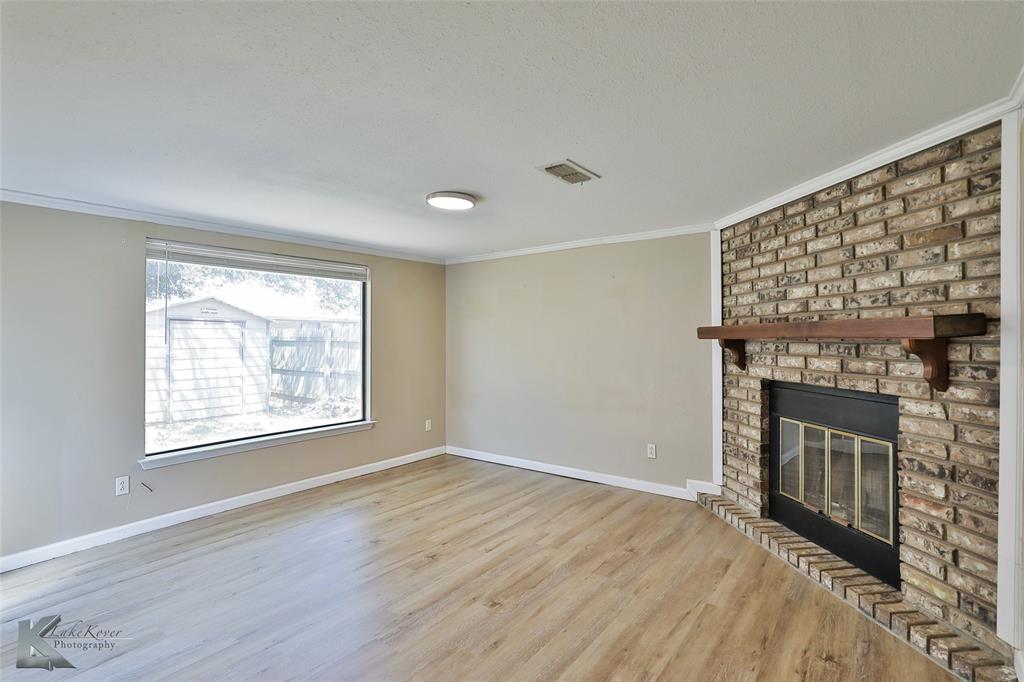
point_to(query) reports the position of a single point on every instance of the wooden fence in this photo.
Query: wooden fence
(314, 361)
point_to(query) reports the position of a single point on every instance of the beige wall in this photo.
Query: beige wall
(71, 358)
(581, 357)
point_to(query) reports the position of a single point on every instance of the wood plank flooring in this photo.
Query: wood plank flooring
(452, 569)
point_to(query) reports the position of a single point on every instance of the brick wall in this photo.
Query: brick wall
(915, 237)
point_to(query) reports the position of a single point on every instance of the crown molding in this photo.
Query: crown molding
(243, 230)
(940, 133)
(1017, 91)
(581, 243)
(234, 228)
(989, 113)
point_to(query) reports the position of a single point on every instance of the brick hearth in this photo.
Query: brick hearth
(964, 656)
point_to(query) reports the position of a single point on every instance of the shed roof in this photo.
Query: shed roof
(267, 305)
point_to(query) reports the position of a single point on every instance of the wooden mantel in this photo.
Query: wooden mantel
(925, 336)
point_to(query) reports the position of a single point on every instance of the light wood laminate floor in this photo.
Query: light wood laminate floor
(453, 569)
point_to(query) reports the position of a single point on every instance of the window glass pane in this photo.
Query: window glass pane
(875, 500)
(843, 484)
(789, 458)
(237, 353)
(814, 467)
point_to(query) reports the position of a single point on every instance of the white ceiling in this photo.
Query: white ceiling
(333, 120)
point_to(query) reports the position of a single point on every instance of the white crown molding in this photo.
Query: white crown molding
(238, 229)
(933, 136)
(582, 243)
(940, 133)
(1017, 91)
(102, 537)
(583, 474)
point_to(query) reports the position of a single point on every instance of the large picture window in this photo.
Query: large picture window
(242, 345)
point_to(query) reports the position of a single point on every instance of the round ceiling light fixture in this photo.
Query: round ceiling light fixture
(451, 201)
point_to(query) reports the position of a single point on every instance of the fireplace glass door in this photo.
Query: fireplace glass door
(842, 490)
(875, 516)
(845, 476)
(815, 453)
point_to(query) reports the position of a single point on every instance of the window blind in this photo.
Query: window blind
(181, 252)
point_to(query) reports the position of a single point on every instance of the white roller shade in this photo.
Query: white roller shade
(252, 260)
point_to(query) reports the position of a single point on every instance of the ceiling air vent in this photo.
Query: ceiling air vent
(570, 172)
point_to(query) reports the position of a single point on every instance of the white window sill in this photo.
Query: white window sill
(208, 451)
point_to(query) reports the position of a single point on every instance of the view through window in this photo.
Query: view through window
(241, 345)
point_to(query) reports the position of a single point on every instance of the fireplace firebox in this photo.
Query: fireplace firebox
(833, 472)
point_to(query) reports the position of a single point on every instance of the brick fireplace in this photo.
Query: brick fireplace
(919, 236)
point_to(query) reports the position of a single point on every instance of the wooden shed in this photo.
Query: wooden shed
(205, 358)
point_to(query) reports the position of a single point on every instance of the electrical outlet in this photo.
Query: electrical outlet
(652, 452)
(427, 426)
(121, 485)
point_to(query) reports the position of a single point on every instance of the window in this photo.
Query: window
(242, 345)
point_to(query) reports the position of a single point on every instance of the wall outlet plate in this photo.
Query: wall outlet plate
(652, 451)
(122, 485)
(427, 425)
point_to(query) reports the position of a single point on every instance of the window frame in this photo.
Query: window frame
(260, 441)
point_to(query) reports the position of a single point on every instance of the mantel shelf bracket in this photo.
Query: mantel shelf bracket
(925, 336)
(736, 351)
(934, 360)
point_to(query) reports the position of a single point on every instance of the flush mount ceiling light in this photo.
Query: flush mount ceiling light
(451, 201)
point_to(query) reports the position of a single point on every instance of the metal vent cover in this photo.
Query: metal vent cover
(570, 172)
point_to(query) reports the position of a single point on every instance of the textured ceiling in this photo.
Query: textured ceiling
(333, 120)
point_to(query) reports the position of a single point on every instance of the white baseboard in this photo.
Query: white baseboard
(582, 474)
(702, 487)
(102, 537)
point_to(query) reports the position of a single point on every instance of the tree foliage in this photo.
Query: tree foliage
(181, 281)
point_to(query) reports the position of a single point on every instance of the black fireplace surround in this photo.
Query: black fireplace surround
(849, 412)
